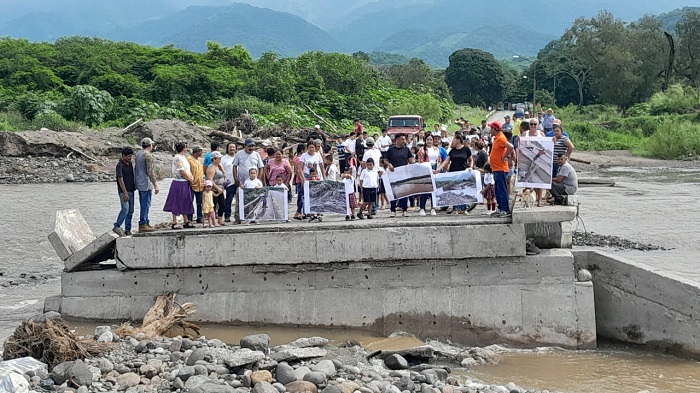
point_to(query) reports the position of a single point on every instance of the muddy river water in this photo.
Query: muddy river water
(648, 205)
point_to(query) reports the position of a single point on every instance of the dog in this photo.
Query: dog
(527, 196)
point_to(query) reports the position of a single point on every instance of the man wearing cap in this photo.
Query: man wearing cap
(500, 154)
(266, 144)
(556, 122)
(548, 120)
(245, 160)
(125, 187)
(227, 163)
(507, 125)
(197, 183)
(146, 183)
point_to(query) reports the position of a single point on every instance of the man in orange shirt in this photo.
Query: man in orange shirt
(500, 152)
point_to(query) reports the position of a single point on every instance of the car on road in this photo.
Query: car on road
(520, 110)
(405, 124)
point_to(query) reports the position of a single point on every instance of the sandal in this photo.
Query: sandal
(187, 225)
(174, 226)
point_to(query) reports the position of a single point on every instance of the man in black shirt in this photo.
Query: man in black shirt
(399, 155)
(342, 154)
(125, 187)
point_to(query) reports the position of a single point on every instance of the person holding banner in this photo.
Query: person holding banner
(429, 153)
(399, 155)
(458, 159)
(309, 160)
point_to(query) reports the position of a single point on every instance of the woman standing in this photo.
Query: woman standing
(562, 145)
(429, 153)
(179, 200)
(458, 159)
(278, 166)
(298, 176)
(217, 174)
(309, 160)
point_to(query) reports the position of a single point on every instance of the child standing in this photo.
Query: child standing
(208, 205)
(369, 181)
(313, 176)
(279, 183)
(331, 168)
(489, 191)
(253, 181)
(383, 200)
(350, 191)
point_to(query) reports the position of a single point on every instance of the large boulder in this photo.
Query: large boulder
(75, 371)
(256, 342)
(285, 373)
(301, 387)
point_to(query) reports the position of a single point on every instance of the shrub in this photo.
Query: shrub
(231, 108)
(676, 99)
(674, 140)
(53, 121)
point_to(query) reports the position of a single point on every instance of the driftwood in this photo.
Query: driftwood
(225, 135)
(579, 160)
(164, 315)
(131, 126)
(83, 154)
(322, 119)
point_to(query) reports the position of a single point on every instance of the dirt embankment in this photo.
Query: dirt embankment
(47, 156)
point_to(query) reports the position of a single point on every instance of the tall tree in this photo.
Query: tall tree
(475, 77)
(688, 48)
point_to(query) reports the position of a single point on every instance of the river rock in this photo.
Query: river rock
(195, 381)
(105, 365)
(292, 354)
(405, 383)
(325, 366)
(75, 371)
(348, 387)
(261, 376)
(512, 387)
(128, 380)
(280, 388)
(106, 337)
(197, 354)
(331, 389)
(300, 372)
(175, 346)
(233, 358)
(186, 372)
(285, 373)
(301, 387)
(256, 342)
(148, 371)
(100, 330)
(396, 362)
(264, 387)
(315, 377)
(584, 275)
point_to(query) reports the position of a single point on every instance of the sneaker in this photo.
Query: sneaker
(495, 213)
(393, 214)
(369, 217)
(471, 207)
(404, 214)
(503, 214)
(361, 216)
(421, 213)
(228, 219)
(199, 221)
(118, 231)
(128, 233)
(347, 218)
(433, 212)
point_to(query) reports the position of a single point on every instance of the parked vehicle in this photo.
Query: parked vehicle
(405, 124)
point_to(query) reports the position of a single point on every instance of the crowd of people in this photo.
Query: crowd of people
(203, 189)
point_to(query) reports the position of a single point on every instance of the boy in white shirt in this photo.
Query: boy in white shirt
(331, 168)
(253, 181)
(369, 181)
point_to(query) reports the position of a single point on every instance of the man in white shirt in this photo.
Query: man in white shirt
(384, 142)
(371, 152)
(227, 163)
(245, 160)
(350, 145)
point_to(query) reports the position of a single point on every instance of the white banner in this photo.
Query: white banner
(263, 204)
(535, 158)
(325, 196)
(458, 188)
(407, 180)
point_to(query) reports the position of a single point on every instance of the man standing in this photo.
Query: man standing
(484, 130)
(548, 120)
(145, 178)
(125, 188)
(384, 142)
(500, 154)
(245, 160)
(342, 154)
(566, 182)
(197, 183)
(359, 128)
(398, 156)
(350, 145)
(227, 163)
(507, 125)
(360, 147)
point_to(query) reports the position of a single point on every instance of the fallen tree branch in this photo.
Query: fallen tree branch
(321, 118)
(83, 154)
(164, 315)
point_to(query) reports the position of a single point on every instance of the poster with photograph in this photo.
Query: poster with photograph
(412, 179)
(325, 196)
(458, 188)
(263, 204)
(535, 157)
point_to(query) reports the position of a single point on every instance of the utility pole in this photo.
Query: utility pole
(534, 84)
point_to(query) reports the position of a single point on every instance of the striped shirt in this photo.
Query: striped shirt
(560, 147)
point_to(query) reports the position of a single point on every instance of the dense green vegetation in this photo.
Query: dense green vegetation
(102, 83)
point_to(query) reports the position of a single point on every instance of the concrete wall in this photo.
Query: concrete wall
(325, 243)
(525, 301)
(640, 304)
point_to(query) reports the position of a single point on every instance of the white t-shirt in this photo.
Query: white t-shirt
(312, 162)
(227, 163)
(383, 143)
(244, 162)
(488, 178)
(180, 164)
(374, 154)
(350, 144)
(333, 172)
(369, 179)
(249, 183)
(433, 155)
(281, 186)
(349, 185)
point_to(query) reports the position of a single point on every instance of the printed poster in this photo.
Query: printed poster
(412, 179)
(325, 196)
(535, 157)
(263, 204)
(458, 188)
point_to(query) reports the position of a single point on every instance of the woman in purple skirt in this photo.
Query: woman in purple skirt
(179, 200)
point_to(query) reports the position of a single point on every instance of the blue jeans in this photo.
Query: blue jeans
(555, 169)
(126, 212)
(424, 198)
(197, 196)
(300, 198)
(144, 206)
(402, 203)
(230, 193)
(501, 190)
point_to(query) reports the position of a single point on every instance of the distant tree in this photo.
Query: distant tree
(688, 48)
(236, 56)
(475, 77)
(87, 104)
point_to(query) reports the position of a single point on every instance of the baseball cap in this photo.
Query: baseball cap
(556, 121)
(496, 125)
(369, 142)
(266, 142)
(208, 183)
(196, 148)
(249, 142)
(317, 126)
(216, 154)
(147, 141)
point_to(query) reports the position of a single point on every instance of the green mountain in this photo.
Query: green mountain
(670, 19)
(259, 30)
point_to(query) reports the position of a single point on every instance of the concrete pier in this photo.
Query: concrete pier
(465, 279)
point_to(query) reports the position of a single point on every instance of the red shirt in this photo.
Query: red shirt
(359, 128)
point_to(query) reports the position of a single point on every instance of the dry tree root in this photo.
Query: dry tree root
(50, 342)
(164, 316)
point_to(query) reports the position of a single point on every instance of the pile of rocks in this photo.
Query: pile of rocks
(307, 365)
(592, 239)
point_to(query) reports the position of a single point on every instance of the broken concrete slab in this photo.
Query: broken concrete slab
(545, 214)
(70, 234)
(100, 250)
(292, 354)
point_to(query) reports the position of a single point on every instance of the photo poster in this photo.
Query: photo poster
(325, 196)
(458, 188)
(263, 204)
(408, 180)
(535, 157)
